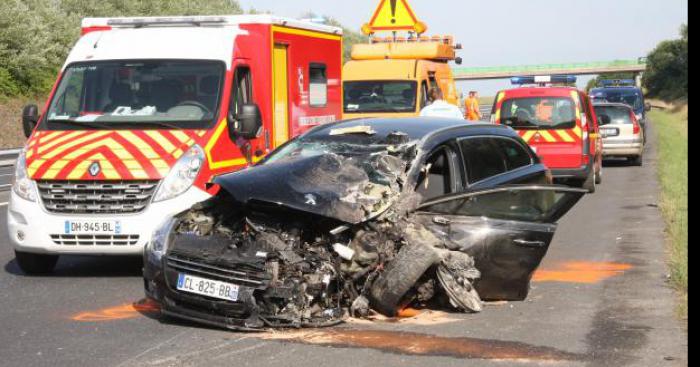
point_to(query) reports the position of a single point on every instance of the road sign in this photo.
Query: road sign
(394, 15)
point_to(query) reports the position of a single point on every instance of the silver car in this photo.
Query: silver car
(623, 136)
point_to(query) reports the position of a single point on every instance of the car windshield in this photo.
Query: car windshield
(539, 113)
(380, 96)
(618, 115)
(630, 97)
(182, 94)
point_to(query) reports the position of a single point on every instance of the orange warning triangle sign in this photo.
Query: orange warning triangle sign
(394, 15)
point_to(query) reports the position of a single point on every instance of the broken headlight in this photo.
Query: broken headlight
(22, 184)
(182, 175)
(160, 240)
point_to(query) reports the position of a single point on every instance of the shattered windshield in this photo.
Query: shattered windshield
(183, 94)
(539, 113)
(380, 96)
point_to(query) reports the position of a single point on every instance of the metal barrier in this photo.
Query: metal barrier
(8, 157)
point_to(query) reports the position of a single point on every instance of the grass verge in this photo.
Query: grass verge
(672, 128)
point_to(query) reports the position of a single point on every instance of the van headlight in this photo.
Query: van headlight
(160, 241)
(182, 175)
(22, 184)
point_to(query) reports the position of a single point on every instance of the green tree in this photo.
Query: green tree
(36, 35)
(666, 76)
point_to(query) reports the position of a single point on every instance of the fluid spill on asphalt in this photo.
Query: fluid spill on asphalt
(416, 344)
(585, 272)
(120, 312)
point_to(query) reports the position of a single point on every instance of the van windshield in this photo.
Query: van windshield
(380, 96)
(630, 97)
(118, 94)
(539, 113)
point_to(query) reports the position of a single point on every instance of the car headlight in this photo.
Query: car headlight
(160, 240)
(182, 175)
(22, 184)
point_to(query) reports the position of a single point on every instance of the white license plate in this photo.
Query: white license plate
(207, 287)
(610, 132)
(92, 227)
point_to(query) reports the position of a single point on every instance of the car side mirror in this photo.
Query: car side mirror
(647, 107)
(30, 117)
(604, 120)
(247, 124)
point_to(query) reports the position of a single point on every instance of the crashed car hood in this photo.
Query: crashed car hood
(351, 190)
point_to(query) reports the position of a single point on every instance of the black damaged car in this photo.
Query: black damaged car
(361, 216)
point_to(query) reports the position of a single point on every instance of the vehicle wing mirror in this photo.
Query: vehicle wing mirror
(647, 107)
(30, 117)
(247, 124)
(604, 120)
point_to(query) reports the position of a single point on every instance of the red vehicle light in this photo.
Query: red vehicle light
(637, 128)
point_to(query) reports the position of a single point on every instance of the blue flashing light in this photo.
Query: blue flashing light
(543, 80)
(618, 83)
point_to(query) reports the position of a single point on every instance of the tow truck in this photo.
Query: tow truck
(391, 76)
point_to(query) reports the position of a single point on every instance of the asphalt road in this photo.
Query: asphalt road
(600, 300)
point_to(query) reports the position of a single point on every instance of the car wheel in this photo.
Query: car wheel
(637, 161)
(32, 264)
(401, 274)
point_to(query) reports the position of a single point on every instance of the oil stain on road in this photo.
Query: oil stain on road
(583, 272)
(119, 312)
(416, 344)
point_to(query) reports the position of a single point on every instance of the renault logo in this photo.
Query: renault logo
(94, 169)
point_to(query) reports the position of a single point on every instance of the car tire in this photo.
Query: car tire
(401, 274)
(35, 264)
(637, 161)
(590, 183)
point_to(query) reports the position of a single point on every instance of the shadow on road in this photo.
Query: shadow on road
(89, 267)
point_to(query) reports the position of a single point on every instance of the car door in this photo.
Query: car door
(507, 230)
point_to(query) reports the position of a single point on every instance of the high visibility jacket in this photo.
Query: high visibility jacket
(472, 109)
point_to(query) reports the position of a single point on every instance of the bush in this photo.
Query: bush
(666, 76)
(36, 35)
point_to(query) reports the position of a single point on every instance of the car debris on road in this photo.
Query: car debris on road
(322, 230)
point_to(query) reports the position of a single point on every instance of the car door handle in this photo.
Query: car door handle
(442, 220)
(532, 244)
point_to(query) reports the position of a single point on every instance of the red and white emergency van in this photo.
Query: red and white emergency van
(147, 110)
(559, 123)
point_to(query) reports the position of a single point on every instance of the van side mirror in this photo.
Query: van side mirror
(604, 120)
(247, 124)
(647, 107)
(30, 117)
(459, 61)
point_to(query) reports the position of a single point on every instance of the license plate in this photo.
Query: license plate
(207, 287)
(610, 132)
(92, 227)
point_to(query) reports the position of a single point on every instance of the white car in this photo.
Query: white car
(623, 136)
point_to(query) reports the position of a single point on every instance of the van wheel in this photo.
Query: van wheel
(32, 264)
(637, 161)
(590, 183)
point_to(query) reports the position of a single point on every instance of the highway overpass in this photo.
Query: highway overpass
(591, 68)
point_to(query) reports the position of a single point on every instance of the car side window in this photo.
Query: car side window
(516, 156)
(440, 176)
(482, 158)
(318, 85)
(242, 92)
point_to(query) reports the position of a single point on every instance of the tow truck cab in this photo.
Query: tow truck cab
(147, 110)
(559, 123)
(391, 77)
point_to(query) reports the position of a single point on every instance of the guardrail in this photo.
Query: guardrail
(8, 157)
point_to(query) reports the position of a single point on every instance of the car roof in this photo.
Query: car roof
(604, 89)
(415, 127)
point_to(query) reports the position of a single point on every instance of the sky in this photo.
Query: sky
(521, 32)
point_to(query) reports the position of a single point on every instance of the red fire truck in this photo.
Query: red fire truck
(146, 110)
(559, 123)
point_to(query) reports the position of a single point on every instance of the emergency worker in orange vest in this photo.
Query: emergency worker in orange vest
(472, 111)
